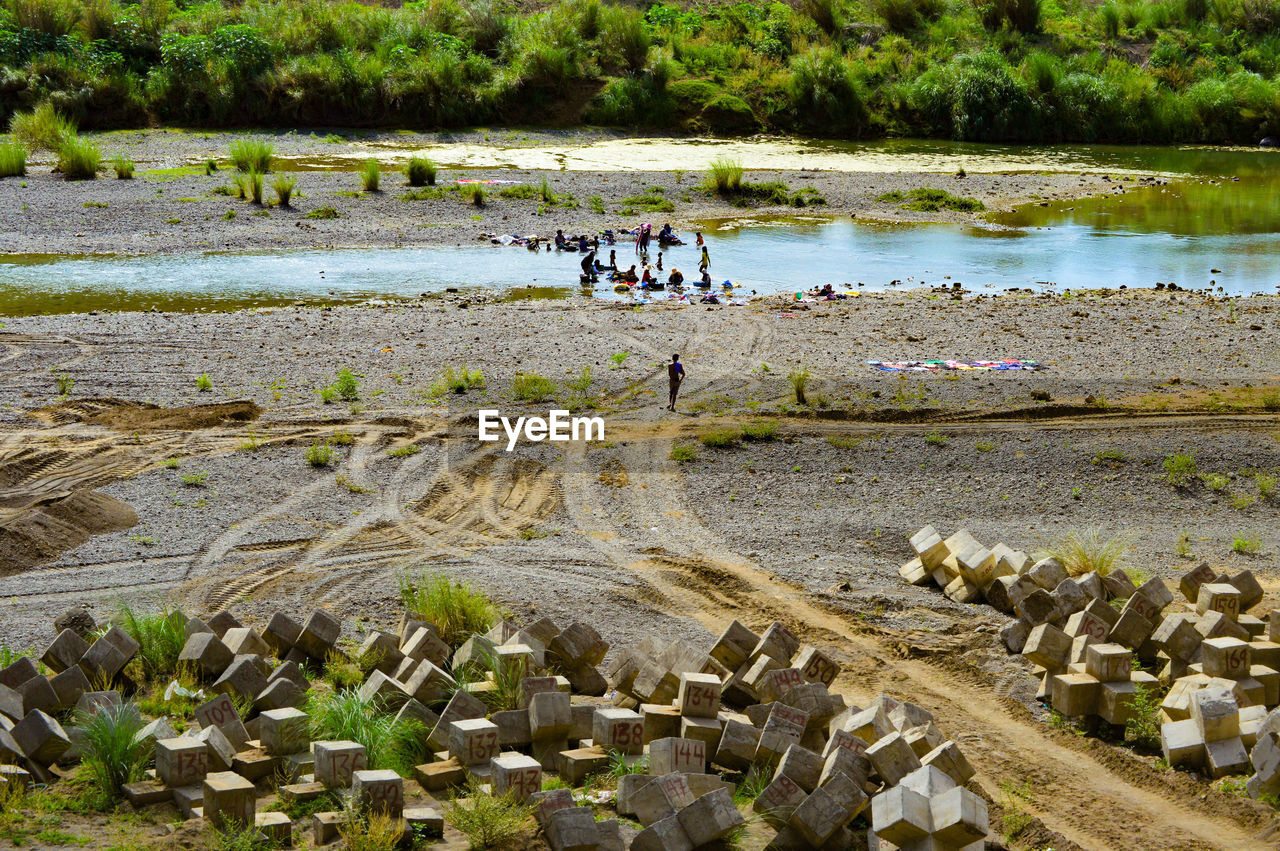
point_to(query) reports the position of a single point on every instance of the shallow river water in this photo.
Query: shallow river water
(1216, 226)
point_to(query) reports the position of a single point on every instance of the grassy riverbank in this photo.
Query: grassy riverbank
(1008, 70)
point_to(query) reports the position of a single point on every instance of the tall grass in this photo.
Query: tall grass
(78, 159)
(42, 129)
(283, 185)
(123, 167)
(420, 171)
(726, 176)
(476, 195)
(388, 743)
(250, 155)
(255, 187)
(531, 387)
(370, 831)
(160, 636)
(13, 159)
(456, 608)
(488, 821)
(1089, 550)
(370, 175)
(112, 755)
(798, 378)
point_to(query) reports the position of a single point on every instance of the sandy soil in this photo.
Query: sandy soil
(165, 208)
(809, 528)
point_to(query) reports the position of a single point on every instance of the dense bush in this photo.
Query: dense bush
(1007, 70)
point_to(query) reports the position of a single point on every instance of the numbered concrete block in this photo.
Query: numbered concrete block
(336, 762)
(977, 565)
(229, 800)
(379, 791)
(517, 774)
(698, 695)
(677, 755)
(1191, 581)
(618, 729)
(1229, 658)
(706, 730)
(284, 731)
(220, 712)
(473, 741)
(181, 761)
(1219, 597)
(221, 752)
(206, 653)
(1108, 663)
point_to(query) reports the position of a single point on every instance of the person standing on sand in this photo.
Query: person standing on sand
(675, 377)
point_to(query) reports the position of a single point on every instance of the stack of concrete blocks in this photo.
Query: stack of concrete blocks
(1086, 678)
(963, 568)
(679, 809)
(1264, 758)
(1212, 738)
(569, 827)
(234, 661)
(928, 810)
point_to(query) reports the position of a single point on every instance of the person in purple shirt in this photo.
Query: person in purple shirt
(675, 377)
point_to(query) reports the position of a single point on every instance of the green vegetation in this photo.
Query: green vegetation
(1084, 551)
(531, 387)
(456, 608)
(344, 715)
(13, 159)
(255, 186)
(322, 213)
(760, 430)
(42, 129)
(283, 186)
(420, 171)
(405, 451)
(720, 437)
(798, 378)
(457, 381)
(370, 175)
(203, 384)
(936, 438)
(1013, 800)
(475, 194)
(996, 70)
(249, 155)
(726, 176)
(1180, 468)
(580, 392)
(160, 636)
(319, 454)
(651, 200)
(1143, 725)
(65, 383)
(1248, 545)
(195, 480)
(123, 167)
(363, 830)
(488, 821)
(78, 159)
(683, 453)
(924, 200)
(112, 756)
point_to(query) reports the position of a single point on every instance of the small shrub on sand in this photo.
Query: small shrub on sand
(531, 387)
(203, 384)
(726, 176)
(319, 454)
(123, 167)
(1089, 550)
(457, 380)
(78, 159)
(283, 185)
(370, 831)
(1180, 468)
(370, 175)
(799, 380)
(476, 195)
(420, 171)
(488, 821)
(760, 430)
(720, 437)
(456, 608)
(683, 453)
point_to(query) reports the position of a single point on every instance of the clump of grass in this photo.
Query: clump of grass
(799, 380)
(123, 167)
(531, 387)
(580, 393)
(1266, 483)
(203, 384)
(319, 454)
(370, 175)
(370, 831)
(239, 837)
(341, 672)
(78, 159)
(195, 480)
(925, 200)
(283, 185)
(249, 155)
(1014, 797)
(1216, 482)
(760, 430)
(1248, 545)
(984, 446)
(720, 437)
(160, 636)
(457, 380)
(112, 756)
(322, 213)
(344, 715)
(13, 159)
(936, 438)
(255, 187)
(420, 171)
(345, 386)
(210, 166)
(753, 783)
(456, 608)
(42, 129)
(726, 176)
(65, 383)
(405, 451)
(476, 195)
(1089, 550)
(1180, 468)
(1270, 401)
(486, 820)
(683, 453)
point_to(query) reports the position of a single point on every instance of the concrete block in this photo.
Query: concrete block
(220, 712)
(959, 818)
(618, 729)
(1177, 637)
(698, 695)
(242, 677)
(103, 660)
(462, 706)
(929, 547)
(1131, 630)
(284, 731)
(734, 646)
(1047, 573)
(901, 816)
(961, 590)
(1118, 585)
(1225, 657)
(255, 764)
(1218, 625)
(336, 762)
(1074, 695)
(819, 816)
(710, 817)
(324, 827)
(276, 828)
(69, 685)
(379, 791)
(38, 694)
(65, 651)
(181, 761)
(677, 755)
(1037, 607)
(282, 633)
(1115, 701)
(473, 741)
(229, 800)
(280, 693)
(707, 730)
(243, 641)
(779, 643)
(1190, 582)
(1216, 713)
(871, 724)
(221, 752)
(40, 737)
(1250, 591)
(950, 760)
(155, 730)
(429, 683)
(801, 765)
(1108, 663)
(1047, 646)
(319, 634)
(223, 621)
(579, 645)
(842, 760)
(517, 774)
(664, 835)
(576, 764)
(572, 829)
(779, 800)
(1014, 635)
(513, 727)
(738, 744)
(424, 821)
(1219, 597)
(1226, 756)
(439, 776)
(206, 653)
(144, 793)
(892, 758)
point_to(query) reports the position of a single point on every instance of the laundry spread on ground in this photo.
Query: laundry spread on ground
(936, 365)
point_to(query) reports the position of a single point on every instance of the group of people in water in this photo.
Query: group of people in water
(649, 278)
